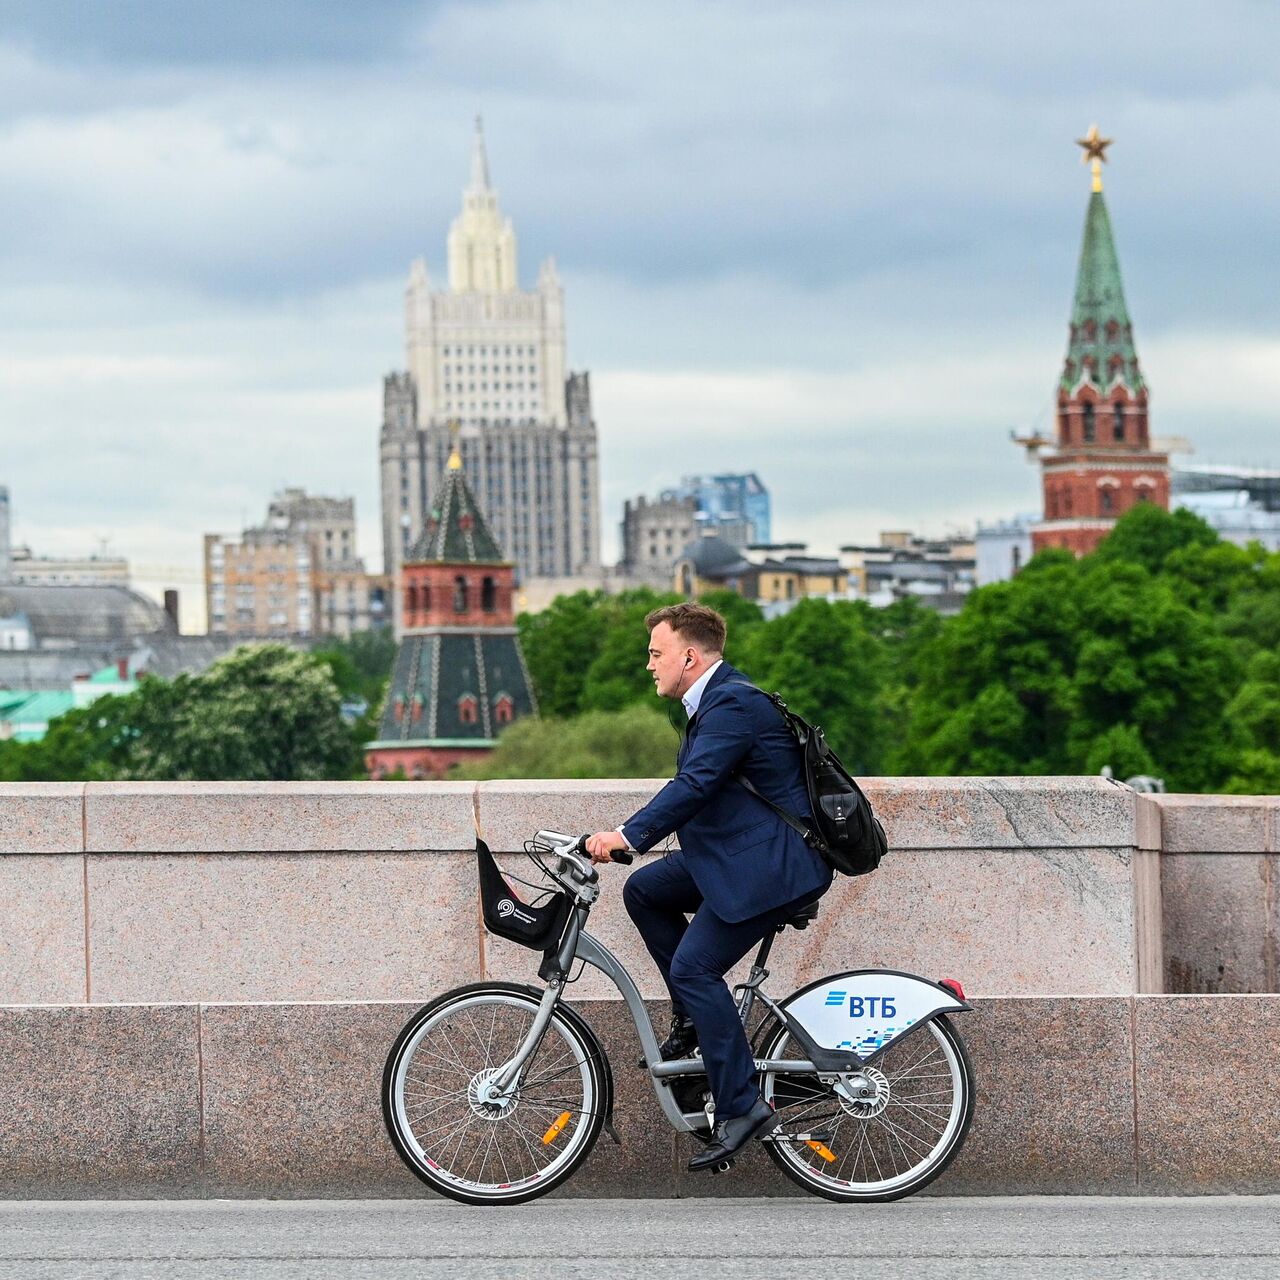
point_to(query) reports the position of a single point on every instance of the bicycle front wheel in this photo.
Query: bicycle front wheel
(474, 1150)
(882, 1147)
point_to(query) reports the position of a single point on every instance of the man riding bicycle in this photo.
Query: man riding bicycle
(740, 870)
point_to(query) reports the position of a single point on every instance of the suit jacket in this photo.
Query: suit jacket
(742, 856)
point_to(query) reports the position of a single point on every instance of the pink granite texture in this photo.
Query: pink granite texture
(256, 817)
(1219, 923)
(282, 1100)
(512, 811)
(41, 817)
(1208, 1094)
(1054, 1111)
(42, 929)
(1217, 824)
(366, 926)
(291, 1101)
(99, 1102)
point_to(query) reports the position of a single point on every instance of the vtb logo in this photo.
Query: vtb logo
(863, 1006)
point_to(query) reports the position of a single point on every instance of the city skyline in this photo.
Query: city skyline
(827, 233)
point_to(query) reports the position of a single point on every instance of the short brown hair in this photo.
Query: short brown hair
(696, 624)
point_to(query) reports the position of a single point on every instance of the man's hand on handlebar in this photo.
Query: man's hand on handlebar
(603, 844)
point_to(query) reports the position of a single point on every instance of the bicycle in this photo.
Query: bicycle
(496, 1092)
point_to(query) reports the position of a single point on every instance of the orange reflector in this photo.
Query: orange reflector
(823, 1150)
(554, 1132)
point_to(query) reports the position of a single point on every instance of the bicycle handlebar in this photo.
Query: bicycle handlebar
(623, 856)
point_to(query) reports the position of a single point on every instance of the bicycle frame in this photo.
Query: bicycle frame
(578, 944)
(843, 1070)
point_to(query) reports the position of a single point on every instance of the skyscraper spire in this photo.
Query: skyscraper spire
(479, 160)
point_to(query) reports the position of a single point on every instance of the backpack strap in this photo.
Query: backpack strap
(810, 836)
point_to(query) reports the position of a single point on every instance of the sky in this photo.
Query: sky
(834, 243)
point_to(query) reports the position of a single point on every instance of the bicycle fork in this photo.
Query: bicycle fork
(503, 1084)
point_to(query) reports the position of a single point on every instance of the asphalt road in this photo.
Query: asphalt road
(1041, 1237)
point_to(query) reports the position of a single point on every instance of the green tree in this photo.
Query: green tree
(560, 643)
(264, 711)
(1254, 716)
(617, 677)
(825, 660)
(1148, 535)
(636, 742)
(994, 685)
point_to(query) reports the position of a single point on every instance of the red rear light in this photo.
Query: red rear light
(953, 985)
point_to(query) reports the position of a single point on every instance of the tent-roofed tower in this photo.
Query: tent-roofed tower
(459, 675)
(1101, 462)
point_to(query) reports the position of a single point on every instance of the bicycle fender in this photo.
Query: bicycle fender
(866, 1010)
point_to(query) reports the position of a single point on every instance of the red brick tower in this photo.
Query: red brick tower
(459, 675)
(1102, 462)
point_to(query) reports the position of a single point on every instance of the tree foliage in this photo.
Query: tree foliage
(1159, 653)
(261, 712)
(636, 742)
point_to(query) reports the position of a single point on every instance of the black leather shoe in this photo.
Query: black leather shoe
(734, 1134)
(681, 1041)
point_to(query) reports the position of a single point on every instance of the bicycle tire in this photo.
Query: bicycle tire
(815, 1178)
(583, 1130)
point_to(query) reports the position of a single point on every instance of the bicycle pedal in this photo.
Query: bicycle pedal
(723, 1167)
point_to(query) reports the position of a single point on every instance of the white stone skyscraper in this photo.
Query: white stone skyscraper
(490, 356)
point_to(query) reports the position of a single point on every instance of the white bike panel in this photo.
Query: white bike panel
(865, 1011)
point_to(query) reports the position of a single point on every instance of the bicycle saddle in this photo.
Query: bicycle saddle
(799, 919)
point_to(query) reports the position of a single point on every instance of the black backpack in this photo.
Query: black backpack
(848, 835)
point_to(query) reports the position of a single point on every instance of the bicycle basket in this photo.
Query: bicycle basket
(534, 925)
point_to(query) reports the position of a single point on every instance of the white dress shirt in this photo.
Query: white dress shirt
(692, 699)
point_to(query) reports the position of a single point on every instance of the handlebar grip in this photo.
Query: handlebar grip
(623, 856)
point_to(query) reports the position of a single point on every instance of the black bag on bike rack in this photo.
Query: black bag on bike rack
(505, 914)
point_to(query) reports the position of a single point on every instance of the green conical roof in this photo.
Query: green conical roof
(455, 531)
(1100, 328)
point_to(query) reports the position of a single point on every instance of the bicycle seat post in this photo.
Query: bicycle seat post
(757, 975)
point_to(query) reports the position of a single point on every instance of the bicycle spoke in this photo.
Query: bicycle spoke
(492, 1146)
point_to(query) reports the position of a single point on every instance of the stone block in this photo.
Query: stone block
(1148, 920)
(512, 811)
(1146, 822)
(1213, 824)
(1217, 923)
(42, 929)
(1054, 1110)
(1208, 1094)
(261, 817)
(1060, 921)
(99, 1101)
(1003, 813)
(218, 927)
(42, 817)
(292, 1104)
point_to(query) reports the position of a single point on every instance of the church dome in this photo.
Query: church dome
(63, 616)
(711, 555)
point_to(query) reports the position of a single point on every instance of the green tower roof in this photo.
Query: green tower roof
(1101, 334)
(455, 531)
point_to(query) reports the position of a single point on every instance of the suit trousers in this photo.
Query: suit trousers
(693, 956)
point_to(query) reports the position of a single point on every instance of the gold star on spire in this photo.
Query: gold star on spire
(455, 457)
(1095, 153)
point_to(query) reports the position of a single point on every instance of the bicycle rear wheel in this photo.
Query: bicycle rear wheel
(880, 1148)
(476, 1151)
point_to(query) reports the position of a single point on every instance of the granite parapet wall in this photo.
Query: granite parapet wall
(208, 892)
(1080, 1095)
(1219, 873)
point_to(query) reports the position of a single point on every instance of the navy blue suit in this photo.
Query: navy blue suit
(739, 872)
